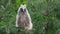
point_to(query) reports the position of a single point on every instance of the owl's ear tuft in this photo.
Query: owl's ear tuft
(25, 5)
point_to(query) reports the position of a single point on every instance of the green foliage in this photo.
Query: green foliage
(37, 10)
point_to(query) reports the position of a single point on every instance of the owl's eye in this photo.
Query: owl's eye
(21, 9)
(24, 10)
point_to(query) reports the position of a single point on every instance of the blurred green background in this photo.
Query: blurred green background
(45, 16)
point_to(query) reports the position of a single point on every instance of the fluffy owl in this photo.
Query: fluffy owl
(23, 18)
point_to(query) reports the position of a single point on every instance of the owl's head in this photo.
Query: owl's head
(22, 8)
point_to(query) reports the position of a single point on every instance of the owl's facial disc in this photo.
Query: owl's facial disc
(22, 10)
